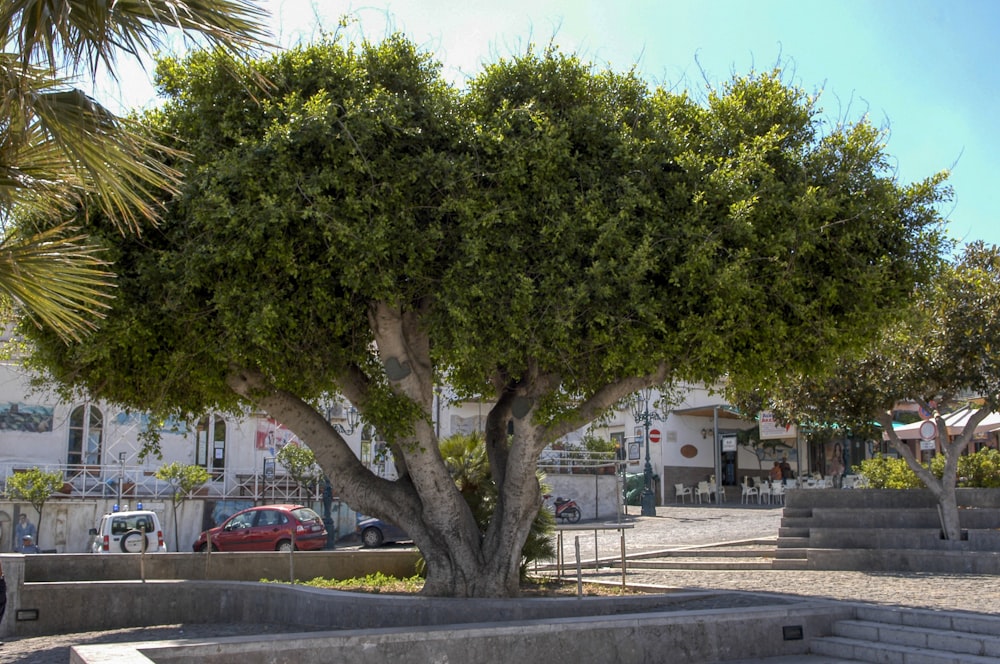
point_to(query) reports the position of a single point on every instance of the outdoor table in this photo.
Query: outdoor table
(620, 526)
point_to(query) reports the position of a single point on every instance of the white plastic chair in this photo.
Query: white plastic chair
(777, 493)
(704, 490)
(749, 492)
(680, 491)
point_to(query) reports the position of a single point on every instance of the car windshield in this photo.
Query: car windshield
(123, 524)
(304, 514)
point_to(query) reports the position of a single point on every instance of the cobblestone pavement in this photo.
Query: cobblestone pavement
(674, 526)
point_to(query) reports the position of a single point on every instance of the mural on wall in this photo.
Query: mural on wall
(169, 425)
(26, 417)
(217, 511)
(272, 435)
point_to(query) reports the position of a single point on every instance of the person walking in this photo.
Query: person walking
(23, 527)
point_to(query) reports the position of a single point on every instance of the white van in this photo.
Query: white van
(122, 532)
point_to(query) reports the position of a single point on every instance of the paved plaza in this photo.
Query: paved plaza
(672, 527)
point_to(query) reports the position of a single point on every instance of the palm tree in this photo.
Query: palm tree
(59, 147)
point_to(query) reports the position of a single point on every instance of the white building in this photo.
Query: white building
(96, 446)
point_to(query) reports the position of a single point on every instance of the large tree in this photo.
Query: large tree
(59, 146)
(938, 351)
(550, 239)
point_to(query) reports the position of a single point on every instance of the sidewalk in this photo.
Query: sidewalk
(680, 526)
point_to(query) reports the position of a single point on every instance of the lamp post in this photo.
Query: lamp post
(641, 413)
(353, 420)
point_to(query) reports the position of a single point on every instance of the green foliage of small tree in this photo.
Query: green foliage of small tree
(34, 486)
(184, 479)
(300, 462)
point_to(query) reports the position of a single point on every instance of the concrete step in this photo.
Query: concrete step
(791, 554)
(786, 532)
(891, 635)
(789, 563)
(967, 643)
(887, 653)
(793, 542)
(701, 564)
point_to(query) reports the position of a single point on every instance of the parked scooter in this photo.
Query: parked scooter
(565, 509)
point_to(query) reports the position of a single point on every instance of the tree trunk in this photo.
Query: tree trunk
(944, 488)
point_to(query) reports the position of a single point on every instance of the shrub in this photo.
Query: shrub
(980, 470)
(883, 472)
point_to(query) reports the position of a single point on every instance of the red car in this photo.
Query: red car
(267, 528)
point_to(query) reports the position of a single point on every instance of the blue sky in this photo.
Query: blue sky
(928, 72)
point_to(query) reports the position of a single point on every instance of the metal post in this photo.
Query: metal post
(648, 497)
(121, 477)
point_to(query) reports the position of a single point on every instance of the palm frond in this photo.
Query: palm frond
(60, 145)
(56, 278)
(75, 33)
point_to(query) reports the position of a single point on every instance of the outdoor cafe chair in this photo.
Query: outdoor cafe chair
(703, 490)
(749, 492)
(777, 493)
(680, 491)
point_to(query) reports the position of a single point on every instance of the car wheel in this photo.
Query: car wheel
(132, 541)
(372, 537)
(204, 547)
(284, 545)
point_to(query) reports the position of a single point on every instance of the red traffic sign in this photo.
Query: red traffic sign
(654, 435)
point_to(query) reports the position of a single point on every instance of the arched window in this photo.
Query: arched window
(210, 445)
(86, 433)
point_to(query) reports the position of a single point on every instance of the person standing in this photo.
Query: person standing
(786, 470)
(24, 527)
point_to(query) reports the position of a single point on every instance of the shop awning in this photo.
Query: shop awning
(956, 424)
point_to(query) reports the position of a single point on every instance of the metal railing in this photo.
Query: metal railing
(134, 483)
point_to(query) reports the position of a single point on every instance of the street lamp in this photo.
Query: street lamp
(641, 413)
(353, 420)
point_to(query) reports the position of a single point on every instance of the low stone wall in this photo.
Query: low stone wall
(49, 593)
(225, 566)
(611, 630)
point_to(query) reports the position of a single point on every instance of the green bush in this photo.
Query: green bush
(882, 472)
(980, 470)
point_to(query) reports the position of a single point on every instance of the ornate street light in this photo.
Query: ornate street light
(641, 413)
(353, 420)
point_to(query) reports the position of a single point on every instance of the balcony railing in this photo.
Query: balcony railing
(140, 483)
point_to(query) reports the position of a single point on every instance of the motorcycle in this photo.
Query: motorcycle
(565, 509)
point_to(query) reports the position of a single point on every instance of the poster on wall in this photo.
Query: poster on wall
(770, 428)
(273, 435)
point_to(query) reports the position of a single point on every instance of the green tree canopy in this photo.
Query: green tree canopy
(939, 352)
(550, 239)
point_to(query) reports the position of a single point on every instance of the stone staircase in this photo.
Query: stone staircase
(879, 530)
(793, 539)
(743, 555)
(888, 635)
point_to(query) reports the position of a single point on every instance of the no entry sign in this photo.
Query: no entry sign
(654, 435)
